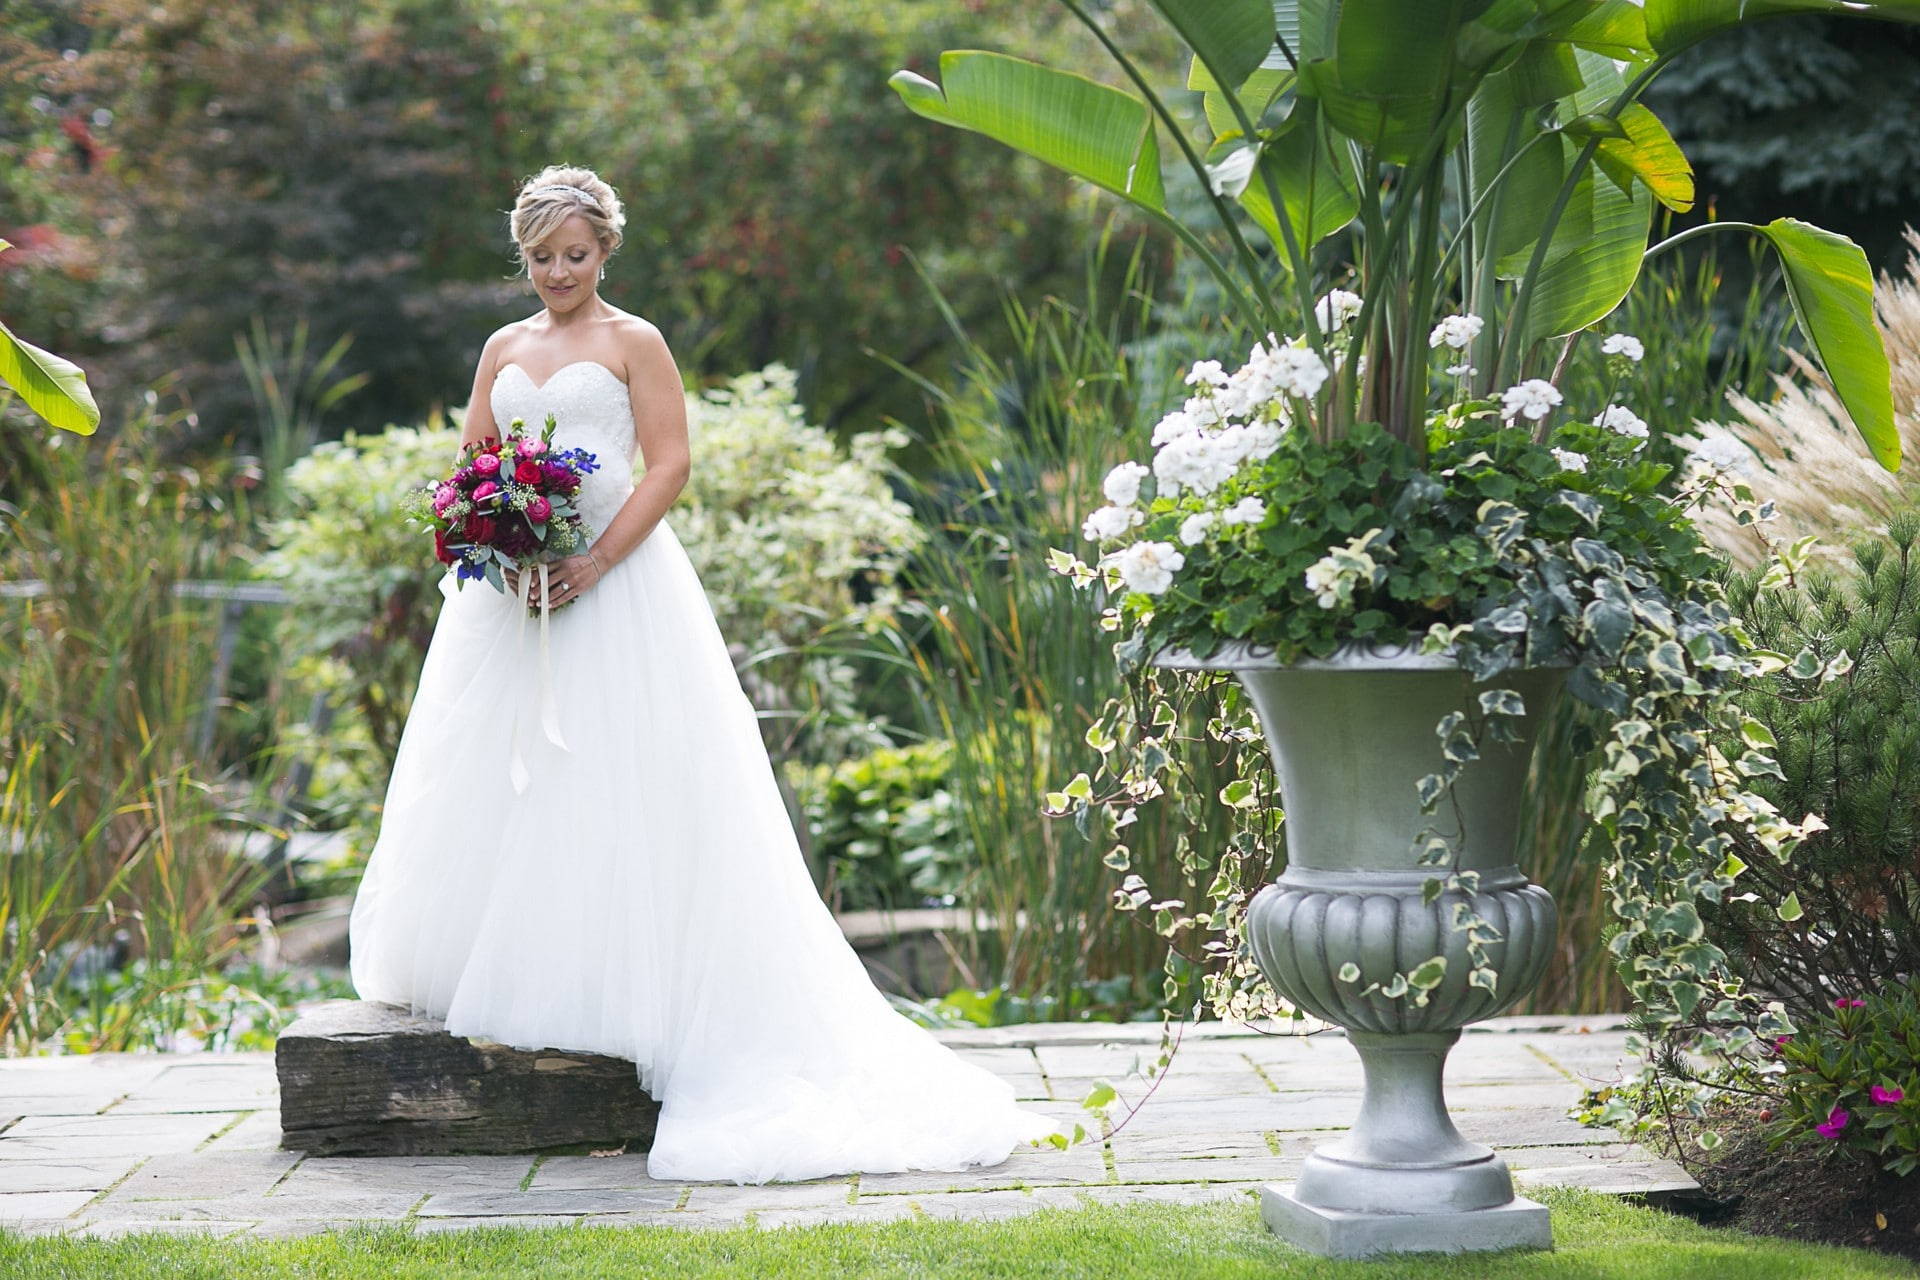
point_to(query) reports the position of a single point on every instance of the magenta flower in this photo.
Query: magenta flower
(1885, 1097)
(486, 489)
(539, 509)
(487, 464)
(1836, 1121)
(531, 447)
(1844, 1003)
(1780, 1043)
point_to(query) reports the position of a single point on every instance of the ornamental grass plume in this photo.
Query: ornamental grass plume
(1810, 461)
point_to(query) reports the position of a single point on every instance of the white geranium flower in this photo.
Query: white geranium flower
(1533, 399)
(1617, 417)
(1173, 426)
(1207, 372)
(1122, 485)
(1460, 370)
(1148, 566)
(1622, 344)
(1721, 453)
(1457, 332)
(1262, 438)
(1193, 530)
(1334, 310)
(1207, 411)
(1569, 460)
(1197, 462)
(1107, 523)
(1301, 372)
(1245, 511)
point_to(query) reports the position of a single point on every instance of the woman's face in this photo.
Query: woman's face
(565, 266)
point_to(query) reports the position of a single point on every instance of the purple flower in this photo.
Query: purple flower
(1836, 1121)
(1885, 1097)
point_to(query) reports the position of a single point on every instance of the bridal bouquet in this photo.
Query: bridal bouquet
(508, 504)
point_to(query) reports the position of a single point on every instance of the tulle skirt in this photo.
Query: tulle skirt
(644, 896)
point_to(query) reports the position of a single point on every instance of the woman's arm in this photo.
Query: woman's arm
(479, 424)
(660, 424)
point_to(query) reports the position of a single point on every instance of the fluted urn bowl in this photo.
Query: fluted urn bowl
(1351, 736)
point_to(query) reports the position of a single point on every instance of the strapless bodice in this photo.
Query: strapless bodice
(591, 411)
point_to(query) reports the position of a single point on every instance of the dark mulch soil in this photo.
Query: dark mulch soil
(1805, 1192)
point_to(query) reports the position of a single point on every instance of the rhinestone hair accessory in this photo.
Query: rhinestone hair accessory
(565, 186)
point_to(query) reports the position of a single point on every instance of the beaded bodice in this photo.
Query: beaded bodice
(591, 411)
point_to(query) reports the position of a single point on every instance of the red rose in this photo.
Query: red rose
(528, 472)
(440, 551)
(479, 528)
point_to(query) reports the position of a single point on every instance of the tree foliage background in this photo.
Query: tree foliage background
(173, 169)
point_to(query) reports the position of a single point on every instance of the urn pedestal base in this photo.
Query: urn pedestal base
(1520, 1223)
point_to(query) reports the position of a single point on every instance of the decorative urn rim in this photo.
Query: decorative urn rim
(1354, 655)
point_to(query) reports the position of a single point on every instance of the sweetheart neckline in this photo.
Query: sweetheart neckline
(542, 386)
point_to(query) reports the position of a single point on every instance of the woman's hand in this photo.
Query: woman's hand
(567, 579)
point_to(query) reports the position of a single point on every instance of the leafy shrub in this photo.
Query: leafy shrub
(884, 826)
(363, 584)
(1852, 1078)
(795, 539)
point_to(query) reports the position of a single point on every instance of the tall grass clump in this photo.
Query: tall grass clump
(1003, 662)
(119, 870)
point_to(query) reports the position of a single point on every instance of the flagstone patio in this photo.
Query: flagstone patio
(109, 1143)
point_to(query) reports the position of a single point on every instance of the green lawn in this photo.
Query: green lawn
(1598, 1237)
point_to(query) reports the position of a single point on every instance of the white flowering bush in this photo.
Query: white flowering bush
(781, 523)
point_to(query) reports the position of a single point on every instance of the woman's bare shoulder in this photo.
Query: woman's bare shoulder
(507, 334)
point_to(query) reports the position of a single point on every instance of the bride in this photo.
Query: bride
(583, 846)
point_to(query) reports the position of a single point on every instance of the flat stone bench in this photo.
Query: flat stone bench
(362, 1078)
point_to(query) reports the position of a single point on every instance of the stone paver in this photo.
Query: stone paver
(107, 1144)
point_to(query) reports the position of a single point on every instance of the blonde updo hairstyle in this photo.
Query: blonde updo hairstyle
(546, 200)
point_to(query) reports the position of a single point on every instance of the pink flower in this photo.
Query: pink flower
(1844, 1003)
(486, 489)
(539, 509)
(1836, 1121)
(1885, 1097)
(532, 447)
(443, 497)
(487, 464)
(1780, 1043)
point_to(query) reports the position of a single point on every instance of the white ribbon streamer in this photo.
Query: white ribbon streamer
(549, 706)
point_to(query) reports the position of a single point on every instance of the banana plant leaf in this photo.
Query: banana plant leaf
(1831, 286)
(52, 387)
(1675, 24)
(1230, 37)
(1316, 185)
(1595, 249)
(1070, 121)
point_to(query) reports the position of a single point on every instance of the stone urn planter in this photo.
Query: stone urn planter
(1350, 737)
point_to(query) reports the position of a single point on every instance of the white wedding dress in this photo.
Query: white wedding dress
(644, 896)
